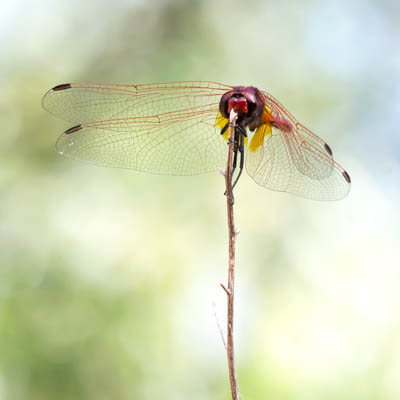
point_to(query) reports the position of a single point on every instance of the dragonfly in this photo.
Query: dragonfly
(181, 128)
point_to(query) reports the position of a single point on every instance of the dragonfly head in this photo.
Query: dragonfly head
(246, 101)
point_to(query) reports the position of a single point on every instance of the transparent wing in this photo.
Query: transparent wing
(303, 138)
(297, 161)
(82, 102)
(272, 166)
(158, 128)
(165, 144)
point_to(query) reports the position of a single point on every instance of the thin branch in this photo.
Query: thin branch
(231, 271)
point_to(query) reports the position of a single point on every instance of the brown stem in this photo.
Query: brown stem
(231, 271)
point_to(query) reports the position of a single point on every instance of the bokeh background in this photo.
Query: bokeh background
(109, 279)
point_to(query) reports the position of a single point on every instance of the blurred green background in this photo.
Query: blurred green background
(109, 279)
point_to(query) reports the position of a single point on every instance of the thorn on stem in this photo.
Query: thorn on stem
(221, 171)
(226, 290)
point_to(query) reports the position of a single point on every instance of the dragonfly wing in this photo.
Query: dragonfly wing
(82, 102)
(303, 144)
(166, 128)
(286, 164)
(171, 143)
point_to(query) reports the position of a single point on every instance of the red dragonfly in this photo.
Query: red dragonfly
(180, 128)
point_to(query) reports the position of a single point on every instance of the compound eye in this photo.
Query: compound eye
(223, 104)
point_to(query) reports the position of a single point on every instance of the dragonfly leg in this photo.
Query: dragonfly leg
(242, 130)
(235, 151)
(241, 150)
(238, 147)
(242, 135)
(223, 130)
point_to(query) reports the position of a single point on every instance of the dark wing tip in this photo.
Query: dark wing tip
(346, 176)
(73, 129)
(328, 149)
(63, 86)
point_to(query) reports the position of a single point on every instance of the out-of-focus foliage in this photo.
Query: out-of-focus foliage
(109, 279)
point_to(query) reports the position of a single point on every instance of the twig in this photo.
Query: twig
(221, 332)
(231, 271)
(223, 287)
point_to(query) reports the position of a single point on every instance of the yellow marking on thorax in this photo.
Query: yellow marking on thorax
(263, 130)
(221, 123)
(258, 138)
